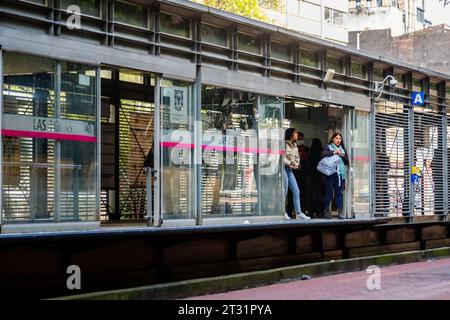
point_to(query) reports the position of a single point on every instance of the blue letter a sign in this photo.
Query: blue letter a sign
(418, 98)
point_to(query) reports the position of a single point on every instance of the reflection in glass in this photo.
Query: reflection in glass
(33, 133)
(249, 44)
(214, 35)
(130, 14)
(175, 25)
(360, 162)
(87, 7)
(28, 162)
(239, 164)
(177, 150)
(78, 158)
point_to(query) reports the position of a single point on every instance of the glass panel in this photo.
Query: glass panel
(339, 18)
(328, 15)
(240, 152)
(359, 70)
(249, 44)
(28, 158)
(43, 2)
(177, 150)
(214, 35)
(87, 7)
(309, 58)
(417, 85)
(335, 63)
(270, 137)
(175, 25)
(281, 52)
(361, 162)
(378, 74)
(78, 153)
(310, 10)
(130, 14)
(401, 80)
(131, 76)
(33, 131)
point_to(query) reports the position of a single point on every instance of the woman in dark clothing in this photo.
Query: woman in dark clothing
(336, 181)
(314, 180)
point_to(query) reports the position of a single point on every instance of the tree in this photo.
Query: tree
(246, 8)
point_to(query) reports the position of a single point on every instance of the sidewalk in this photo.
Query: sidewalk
(412, 281)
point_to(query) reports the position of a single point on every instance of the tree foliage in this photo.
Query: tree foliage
(246, 8)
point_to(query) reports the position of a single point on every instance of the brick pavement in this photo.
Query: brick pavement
(413, 281)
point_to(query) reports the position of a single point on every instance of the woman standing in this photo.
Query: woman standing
(292, 161)
(336, 181)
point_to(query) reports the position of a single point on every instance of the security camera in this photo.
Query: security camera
(393, 82)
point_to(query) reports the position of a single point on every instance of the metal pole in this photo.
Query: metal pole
(198, 148)
(156, 153)
(445, 164)
(412, 195)
(148, 191)
(372, 151)
(99, 146)
(1, 137)
(57, 166)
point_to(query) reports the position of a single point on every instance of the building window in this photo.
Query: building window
(249, 44)
(335, 63)
(87, 7)
(175, 25)
(281, 52)
(378, 74)
(309, 58)
(379, 3)
(214, 35)
(131, 14)
(47, 137)
(335, 17)
(359, 70)
(41, 2)
(420, 15)
(417, 85)
(309, 10)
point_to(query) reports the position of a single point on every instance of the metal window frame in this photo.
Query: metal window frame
(1, 136)
(157, 186)
(99, 146)
(57, 164)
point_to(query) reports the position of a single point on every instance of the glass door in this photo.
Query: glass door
(176, 177)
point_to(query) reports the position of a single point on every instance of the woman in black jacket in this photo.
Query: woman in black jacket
(336, 181)
(314, 180)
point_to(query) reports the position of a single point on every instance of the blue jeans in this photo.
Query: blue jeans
(332, 184)
(289, 180)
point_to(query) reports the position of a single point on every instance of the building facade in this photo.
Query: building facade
(173, 113)
(325, 19)
(426, 48)
(401, 16)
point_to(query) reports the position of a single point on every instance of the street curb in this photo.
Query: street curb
(204, 286)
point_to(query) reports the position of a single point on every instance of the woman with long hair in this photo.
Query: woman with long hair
(336, 181)
(292, 161)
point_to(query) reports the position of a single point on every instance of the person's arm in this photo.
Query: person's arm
(326, 152)
(345, 157)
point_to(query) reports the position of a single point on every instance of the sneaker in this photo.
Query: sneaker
(303, 216)
(286, 216)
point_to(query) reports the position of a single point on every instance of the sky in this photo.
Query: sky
(437, 12)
